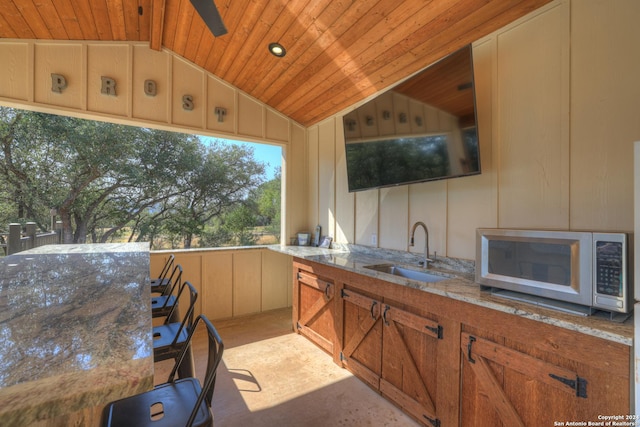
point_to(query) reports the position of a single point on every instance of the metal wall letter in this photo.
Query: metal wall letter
(150, 88)
(187, 102)
(220, 112)
(108, 86)
(58, 83)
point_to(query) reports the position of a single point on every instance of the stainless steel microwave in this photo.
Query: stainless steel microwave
(572, 271)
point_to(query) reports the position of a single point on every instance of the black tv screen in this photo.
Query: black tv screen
(423, 129)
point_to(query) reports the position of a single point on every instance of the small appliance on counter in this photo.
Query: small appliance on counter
(573, 271)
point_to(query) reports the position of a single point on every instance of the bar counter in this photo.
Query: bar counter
(75, 332)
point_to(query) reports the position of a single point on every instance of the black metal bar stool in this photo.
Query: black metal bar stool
(159, 284)
(171, 337)
(178, 402)
(161, 305)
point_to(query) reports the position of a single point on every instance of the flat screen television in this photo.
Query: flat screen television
(423, 129)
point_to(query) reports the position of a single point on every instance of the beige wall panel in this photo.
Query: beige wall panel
(326, 176)
(277, 126)
(533, 123)
(220, 94)
(112, 61)
(217, 292)
(394, 214)
(416, 117)
(296, 178)
(367, 217)
(472, 201)
(276, 280)
(188, 80)
(247, 274)
(191, 263)
(150, 64)
(353, 128)
(65, 59)
(367, 120)
(432, 118)
(605, 117)
(250, 116)
(15, 71)
(428, 203)
(312, 178)
(401, 108)
(345, 201)
(385, 115)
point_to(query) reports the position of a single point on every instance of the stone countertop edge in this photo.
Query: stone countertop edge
(462, 287)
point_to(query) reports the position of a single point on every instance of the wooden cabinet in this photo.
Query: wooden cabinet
(313, 307)
(513, 381)
(450, 363)
(400, 351)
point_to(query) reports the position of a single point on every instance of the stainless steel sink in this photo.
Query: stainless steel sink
(421, 276)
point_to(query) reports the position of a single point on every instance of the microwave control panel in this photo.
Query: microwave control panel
(610, 271)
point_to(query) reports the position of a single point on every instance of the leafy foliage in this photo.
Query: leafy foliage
(107, 181)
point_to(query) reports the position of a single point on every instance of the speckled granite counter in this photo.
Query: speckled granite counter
(75, 330)
(460, 285)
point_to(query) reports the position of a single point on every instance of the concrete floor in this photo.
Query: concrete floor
(270, 376)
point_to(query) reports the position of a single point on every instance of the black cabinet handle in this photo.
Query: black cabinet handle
(373, 304)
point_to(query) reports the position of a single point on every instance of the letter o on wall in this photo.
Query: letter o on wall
(150, 88)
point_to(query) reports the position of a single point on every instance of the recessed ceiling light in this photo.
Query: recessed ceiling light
(277, 49)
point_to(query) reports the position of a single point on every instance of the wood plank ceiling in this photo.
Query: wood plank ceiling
(338, 51)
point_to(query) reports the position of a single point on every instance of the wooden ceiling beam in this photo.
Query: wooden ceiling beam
(157, 24)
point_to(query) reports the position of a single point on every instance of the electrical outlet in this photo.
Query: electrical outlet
(374, 239)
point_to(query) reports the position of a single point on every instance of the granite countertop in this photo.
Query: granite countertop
(75, 328)
(459, 284)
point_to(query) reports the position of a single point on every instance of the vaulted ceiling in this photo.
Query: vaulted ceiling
(338, 51)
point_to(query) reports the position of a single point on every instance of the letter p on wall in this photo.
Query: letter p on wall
(58, 83)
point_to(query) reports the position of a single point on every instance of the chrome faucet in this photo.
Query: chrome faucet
(426, 241)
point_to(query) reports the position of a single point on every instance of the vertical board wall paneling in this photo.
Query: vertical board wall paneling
(472, 201)
(275, 280)
(150, 65)
(217, 292)
(111, 61)
(65, 59)
(313, 182)
(367, 208)
(428, 203)
(188, 80)
(605, 118)
(297, 188)
(326, 177)
(16, 56)
(393, 217)
(533, 136)
(345, 201)
(247, 276)
(221, 95)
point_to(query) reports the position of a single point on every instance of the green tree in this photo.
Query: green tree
(269, 201)
(103, 177)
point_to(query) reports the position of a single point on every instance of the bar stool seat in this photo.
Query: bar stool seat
(171, 337)
(160, 283)
(161, 305)
(178, 402)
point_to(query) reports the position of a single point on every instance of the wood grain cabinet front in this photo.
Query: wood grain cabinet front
(313, 307)
(511, 381)
(398, 350)
(451, 363)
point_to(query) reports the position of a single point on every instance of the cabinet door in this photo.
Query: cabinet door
(410, 362)
(362, 336)
(509, 384)
(315, 314)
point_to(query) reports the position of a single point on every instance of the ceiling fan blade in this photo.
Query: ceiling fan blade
(210, 15)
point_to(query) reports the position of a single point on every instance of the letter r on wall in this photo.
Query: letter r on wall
(108, 86)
